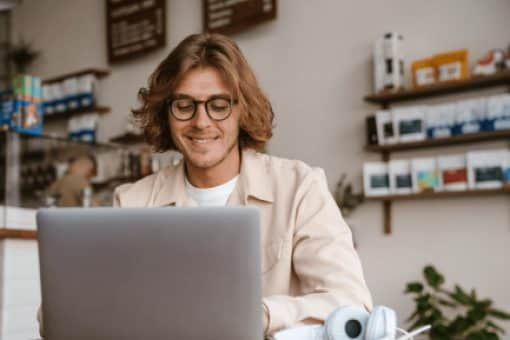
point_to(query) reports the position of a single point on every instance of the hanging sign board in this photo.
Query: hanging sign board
(134, 27)
(232, 16)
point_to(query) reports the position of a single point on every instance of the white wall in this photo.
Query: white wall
(314, 63)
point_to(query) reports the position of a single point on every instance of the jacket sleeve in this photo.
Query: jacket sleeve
(117, 193)
(327, 266)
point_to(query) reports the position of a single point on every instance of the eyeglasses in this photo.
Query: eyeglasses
(217, 108)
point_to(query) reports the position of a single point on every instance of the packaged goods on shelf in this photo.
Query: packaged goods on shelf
(452, 66)
(507, 169)
(376, 179)
(83, 128)
(470, 116)
(385, 131)
(48, 100)
(21, 108)
(424, 72)
(425, 175)
(440, 120)
(400, 176)
(86, 90)
(59, 99)
(498, 113)
(485, 168)
(409, 123)
(71, 93)
(453, 172)
(388, 62)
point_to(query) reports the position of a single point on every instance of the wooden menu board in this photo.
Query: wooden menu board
(134, 27)
(231, 16)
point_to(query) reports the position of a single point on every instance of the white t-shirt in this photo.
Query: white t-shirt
(211, 197)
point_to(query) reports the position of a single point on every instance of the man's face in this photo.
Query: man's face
(204, 142)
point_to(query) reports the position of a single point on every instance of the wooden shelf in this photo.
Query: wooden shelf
(471, 84)
(99, 73)
(437, 142)
(82, 110)
(128, 138)
(441, 194)
(18, 234)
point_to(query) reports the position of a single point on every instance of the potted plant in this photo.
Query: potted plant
(453, 314)
(22, 55)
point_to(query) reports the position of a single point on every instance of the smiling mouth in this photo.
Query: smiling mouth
(202, 140)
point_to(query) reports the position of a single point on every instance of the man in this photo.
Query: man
(68, 191)
(204, 101)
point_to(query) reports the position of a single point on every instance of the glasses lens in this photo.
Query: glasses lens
(218, 108)
(183, 108)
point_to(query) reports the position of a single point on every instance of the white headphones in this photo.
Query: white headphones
(352, 323)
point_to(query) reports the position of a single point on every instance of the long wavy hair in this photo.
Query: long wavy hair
(204, 50)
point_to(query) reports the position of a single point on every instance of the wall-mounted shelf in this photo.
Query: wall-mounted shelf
(82, 110)
(384, 99)
(471, 84)
(18, 234)
(99, 73)
(438, 142)
(128, 138)
(441, 194)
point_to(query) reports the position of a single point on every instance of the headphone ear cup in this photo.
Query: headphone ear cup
(381, 324)
(345, 323)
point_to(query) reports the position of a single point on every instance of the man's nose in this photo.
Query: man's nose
(201, 119)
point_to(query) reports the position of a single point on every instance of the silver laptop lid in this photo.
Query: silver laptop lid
(158, 273)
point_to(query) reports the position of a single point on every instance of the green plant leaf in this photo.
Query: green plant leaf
(499, 314)
(460, 296)
(465, 296)
(476, 314)
(459, 325)
(447, 303)
(495, 327)
(414, 287)
(433, 277)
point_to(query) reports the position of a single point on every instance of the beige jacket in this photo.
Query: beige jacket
(309, 265)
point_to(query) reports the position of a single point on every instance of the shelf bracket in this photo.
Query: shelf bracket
(387, 217)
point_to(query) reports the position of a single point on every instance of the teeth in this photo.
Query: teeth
(201, 140)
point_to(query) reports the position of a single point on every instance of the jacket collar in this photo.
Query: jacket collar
(254, 182)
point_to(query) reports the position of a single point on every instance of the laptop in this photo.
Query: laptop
(150, 273)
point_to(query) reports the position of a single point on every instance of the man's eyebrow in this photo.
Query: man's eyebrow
(216, 95)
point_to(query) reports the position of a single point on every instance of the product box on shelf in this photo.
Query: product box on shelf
(384, 125)
(86, 90)
(83, 128)
(485, 168)
(452, 66)
(21, 108)
(424, 72)
(6, 107)
(453, 172)
(409, 123)
(48, 100)
(498, 113)
(376, 179)
(507, 169)
(470, 116)
(71, 93)
(388, 62)
(59, 100)
(27, 117)
(425, 175)
(400, 176)
(440, 120)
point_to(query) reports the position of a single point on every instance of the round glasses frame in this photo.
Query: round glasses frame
(171, 101)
